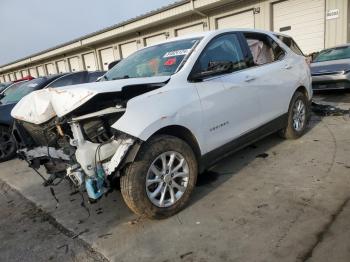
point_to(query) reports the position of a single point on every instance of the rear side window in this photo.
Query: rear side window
(288, 41)
(72, 79)
(263, 48)
(225, 48)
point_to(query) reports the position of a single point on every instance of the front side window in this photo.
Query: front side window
(159, 60)
(222, 55)
(336, 53)
(71, 79)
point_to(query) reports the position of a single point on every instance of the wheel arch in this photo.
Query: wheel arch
(303, 90)
(184, 134)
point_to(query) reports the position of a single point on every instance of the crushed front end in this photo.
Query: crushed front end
(83, 148)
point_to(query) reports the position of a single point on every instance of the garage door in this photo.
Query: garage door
(18, 75)
(25, 73)
(90, 62)
(107, 57)
(189, 30)
(41, 71)
(61, 66)
(12, 77)
(154, 39)
(33, 72)
(240, 20)
(7, 78)
(50, 69)
(74, 64)
(128, 49)
(2, 80)
(303, 20)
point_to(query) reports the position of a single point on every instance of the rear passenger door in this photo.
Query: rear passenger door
(273, 78)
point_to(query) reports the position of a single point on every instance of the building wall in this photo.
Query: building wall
(171, 22)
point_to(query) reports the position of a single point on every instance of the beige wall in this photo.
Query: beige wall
(336, 30)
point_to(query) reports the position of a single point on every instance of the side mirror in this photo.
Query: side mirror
(214, 68)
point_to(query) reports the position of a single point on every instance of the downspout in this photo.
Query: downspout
(196, 11)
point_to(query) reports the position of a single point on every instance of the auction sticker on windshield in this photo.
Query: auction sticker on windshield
(177, 53)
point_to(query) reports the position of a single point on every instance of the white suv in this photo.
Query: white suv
(166, 113)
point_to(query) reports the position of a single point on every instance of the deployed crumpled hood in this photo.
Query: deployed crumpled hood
(42, 105)
(336, 66)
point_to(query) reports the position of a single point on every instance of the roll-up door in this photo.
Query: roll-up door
(107, 57)
(241, 20)
(154, 39)
(18, 75)
(90, 62)
(7, 78)
(12, 77)
(190, 30)
(74, 64)
(50, 69)
(302, 20)
(41, 71)
(128, 48)
(61, 66)
(25, 73)
(2, 79)
(33, 72)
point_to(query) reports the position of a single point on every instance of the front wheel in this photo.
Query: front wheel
(298, 116)
(159, 182)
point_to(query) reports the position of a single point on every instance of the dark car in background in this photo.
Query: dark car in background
(5, 85)
(330, 69)
(14, 93)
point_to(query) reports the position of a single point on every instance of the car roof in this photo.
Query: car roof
(212, 33)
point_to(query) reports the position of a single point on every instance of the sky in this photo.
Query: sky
(30, 26)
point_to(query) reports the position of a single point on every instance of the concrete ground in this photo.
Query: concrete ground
(276, 200)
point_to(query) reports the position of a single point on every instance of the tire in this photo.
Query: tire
(133, 182)
(292, 131)
(8, 146)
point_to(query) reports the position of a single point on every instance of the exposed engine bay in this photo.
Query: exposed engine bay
(81, 145)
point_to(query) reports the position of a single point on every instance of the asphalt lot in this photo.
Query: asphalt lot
(276, 200)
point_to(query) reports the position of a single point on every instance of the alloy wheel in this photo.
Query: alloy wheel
(167, 179)
(299, 115)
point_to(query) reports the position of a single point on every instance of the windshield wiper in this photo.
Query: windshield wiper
(123, 77)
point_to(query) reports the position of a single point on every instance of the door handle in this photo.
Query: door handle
(287, 66)
(249, 78)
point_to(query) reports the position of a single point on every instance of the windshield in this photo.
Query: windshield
(158, 60)
(333, 54)
(4, 85)
(17, 91)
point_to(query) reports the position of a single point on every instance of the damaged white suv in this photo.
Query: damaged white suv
(165, 114)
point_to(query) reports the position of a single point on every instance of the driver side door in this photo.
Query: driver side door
(230, 107)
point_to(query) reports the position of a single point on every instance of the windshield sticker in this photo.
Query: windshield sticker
(170, 61)
(32, 85)
(177, 53)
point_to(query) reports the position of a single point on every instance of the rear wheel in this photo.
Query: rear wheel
(298, 116)
(160, 181)
(7, 144)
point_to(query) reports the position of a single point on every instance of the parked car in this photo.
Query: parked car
(4, 86)
(18, 90)
(165, 114)
(330, 69)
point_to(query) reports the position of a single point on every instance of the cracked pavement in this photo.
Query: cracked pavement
(276, 200)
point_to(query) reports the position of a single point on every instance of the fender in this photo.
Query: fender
(166, 106)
